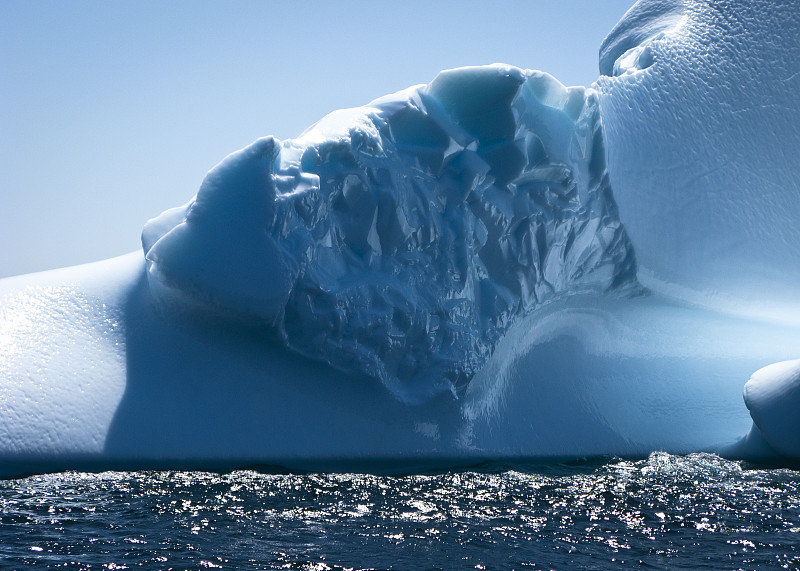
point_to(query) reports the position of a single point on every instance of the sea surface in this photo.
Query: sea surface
(665, 512)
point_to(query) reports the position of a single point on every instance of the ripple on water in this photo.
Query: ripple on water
(665, 512)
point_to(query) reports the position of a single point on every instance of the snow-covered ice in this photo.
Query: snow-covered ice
(773, 396)
(703, 144)
(492, 265)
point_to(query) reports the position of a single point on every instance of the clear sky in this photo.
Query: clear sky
(112, 111)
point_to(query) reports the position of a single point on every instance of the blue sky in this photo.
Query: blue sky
(113, 111)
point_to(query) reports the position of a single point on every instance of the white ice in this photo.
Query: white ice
(489, 266)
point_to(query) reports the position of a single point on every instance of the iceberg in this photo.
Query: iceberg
(489, 266)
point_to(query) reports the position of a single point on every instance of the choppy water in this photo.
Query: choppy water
(692, 512)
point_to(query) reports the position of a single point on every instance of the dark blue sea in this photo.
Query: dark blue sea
(665, 512)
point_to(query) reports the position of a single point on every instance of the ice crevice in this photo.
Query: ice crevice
(401, 239)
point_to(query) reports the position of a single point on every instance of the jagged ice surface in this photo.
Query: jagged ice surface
(401, 239)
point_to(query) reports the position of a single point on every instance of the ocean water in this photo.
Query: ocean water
(665, 512)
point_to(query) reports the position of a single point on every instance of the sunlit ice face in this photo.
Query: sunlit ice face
(701, 113)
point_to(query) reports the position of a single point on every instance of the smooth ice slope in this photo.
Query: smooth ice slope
(63, 358)
(701, 114)
(773, 396)
(403, 238)
(442, 277)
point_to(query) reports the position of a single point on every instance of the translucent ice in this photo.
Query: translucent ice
(402, 239)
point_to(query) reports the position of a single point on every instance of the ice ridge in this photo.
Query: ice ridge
(401, 239)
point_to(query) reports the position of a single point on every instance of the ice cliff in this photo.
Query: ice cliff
(401, 239)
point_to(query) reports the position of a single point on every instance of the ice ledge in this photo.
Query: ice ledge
(401, 239)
